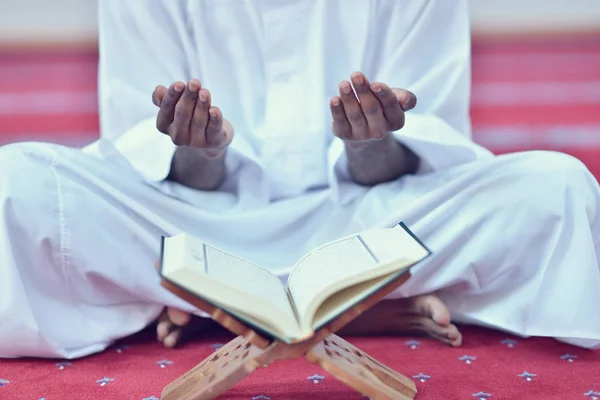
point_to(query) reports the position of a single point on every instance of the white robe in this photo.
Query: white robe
(514, 237)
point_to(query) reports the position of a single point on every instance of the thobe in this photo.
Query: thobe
(514, 237)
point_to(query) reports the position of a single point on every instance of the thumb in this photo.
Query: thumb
(407, 99)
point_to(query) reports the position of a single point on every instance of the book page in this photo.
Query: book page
(328, 264)
(392, 244)
(344, 299)
(350, 261)
(241, 274)
(229, 282)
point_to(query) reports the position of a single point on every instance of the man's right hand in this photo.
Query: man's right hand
(186, 115)
(199, 131)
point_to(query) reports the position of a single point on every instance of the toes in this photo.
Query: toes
(431, 306)
(456, 338)
(163, 328)
(173, 338)
(447, 334)
(178, 317)
(168, 328)
(411, 324)
(452, 336)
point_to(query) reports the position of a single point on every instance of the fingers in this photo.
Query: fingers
(158, 95)
(370, 106)
(166, 114)
(354, 113)
(184, 111)
(407, 99)
(214, 130)
(393, 112)
(373, 112)
(200, 119)
(187, 116)
(341, 126)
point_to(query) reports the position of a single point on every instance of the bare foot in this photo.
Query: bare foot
(424, 315)
(420, 315)
(173, 325)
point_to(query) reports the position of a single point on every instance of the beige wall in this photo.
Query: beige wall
(47, 20)
(68, 21)
(533, 16)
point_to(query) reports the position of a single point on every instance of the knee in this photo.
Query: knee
(536, 184)
(546, 164)
(547, 172)
(22, 163)
(555, 174)
(523, 200)
(26, 178)
(545, 183)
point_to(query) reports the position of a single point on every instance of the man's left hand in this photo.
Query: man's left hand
(372, 113)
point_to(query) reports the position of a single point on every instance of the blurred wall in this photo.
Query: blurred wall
(534, 16)
(74, 21)
(47, 21)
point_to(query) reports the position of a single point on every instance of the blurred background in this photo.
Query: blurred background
(536, 74)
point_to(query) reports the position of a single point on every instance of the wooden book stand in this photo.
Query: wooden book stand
(250, 350)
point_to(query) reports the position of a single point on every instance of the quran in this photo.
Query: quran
(323, 284)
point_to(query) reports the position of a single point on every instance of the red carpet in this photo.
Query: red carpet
(526, 95)
(489, 365)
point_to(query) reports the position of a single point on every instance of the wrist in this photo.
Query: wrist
(379, 160)
(196, 169)
(386, 143)
(210, 154)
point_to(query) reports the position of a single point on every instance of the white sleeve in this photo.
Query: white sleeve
(142, 44)
(426, 49)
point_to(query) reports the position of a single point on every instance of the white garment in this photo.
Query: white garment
(80, 230)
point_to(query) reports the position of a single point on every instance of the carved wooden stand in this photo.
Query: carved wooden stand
(249, 351)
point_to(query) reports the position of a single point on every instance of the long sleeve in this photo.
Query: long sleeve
(425, 48)
(142, 44)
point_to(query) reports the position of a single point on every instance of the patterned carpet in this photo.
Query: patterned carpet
(526, 95)
(490, 365)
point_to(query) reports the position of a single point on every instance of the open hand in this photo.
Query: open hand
(186, 115)
(377, 111)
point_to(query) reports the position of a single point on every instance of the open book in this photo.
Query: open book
(322, 285)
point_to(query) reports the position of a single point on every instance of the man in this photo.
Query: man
(216, 120)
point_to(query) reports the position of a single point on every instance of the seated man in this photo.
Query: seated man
(216, 120)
